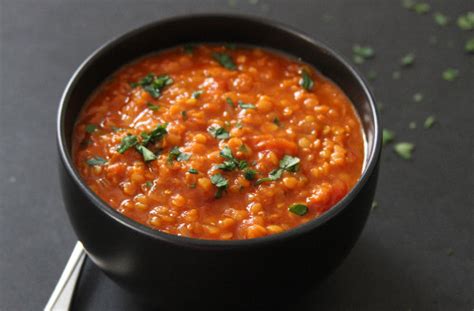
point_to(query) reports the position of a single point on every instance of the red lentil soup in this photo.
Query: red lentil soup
(219, 142)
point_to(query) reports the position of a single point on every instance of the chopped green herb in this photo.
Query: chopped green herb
(417, 97)
(287, 163)
(155, 135)
(146, 153)
(396, 75)
(466, 22)
(90, 128)
(469, 46)
(96, 161)
(362, 53)
(230, 46)
(176, 154)
(148, 184)
(277, 121)
(407, 60)
(152, 107)
(245, 105)
(193, 171)
(372, 75)
(387, 136)
(404, 150)
(221, 183)
(412, 125)
(197, 94)
(421, 8)
(127, 142)
(154, 84)
(189, 48)
(450, 74)
(218, 132)
(429, 122)
(440, 19)
(298, 209)
(249, 174)
(184, 114)
(116, 129)
(230, 102)
(224, 60)
(306, 82)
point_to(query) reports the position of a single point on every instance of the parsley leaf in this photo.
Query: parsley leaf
(127, 142)
(90, 128)
(249, 174)
(298, 209)
(221, 183)
(176, 154)
(404, 150)
(96, 161)
(148, 184)
(306, 82)
(224, 60)
(146, 153)
(197, 94)
(154, 84)
(230, 102)
(193, 171)
(287, 163)
(152, 107)
(218, 132)
(245, 105)
(155, 135)
(277, 121)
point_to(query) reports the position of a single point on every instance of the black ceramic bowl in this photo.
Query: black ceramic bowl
(175, 272)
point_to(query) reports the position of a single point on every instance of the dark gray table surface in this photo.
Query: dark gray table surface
(416, 252)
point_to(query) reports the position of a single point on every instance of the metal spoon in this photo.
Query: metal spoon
(61, 297)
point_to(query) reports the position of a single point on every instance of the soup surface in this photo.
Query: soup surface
(219, 142)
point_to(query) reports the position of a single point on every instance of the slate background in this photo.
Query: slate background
(416, 252)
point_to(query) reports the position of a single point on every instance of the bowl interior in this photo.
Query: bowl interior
(216, 28)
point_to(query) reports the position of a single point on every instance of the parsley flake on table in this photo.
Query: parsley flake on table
(404, 150)
(412, 125)
(224, 60)
(440, 19)
(429, 122)
(450, 74)
(417, 97)
(469, 46)
(362, 53)
(387, 136)
(466, 22)
(407, 60)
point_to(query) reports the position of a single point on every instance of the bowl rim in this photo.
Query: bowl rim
(372, 155)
